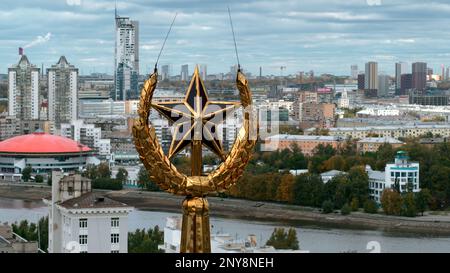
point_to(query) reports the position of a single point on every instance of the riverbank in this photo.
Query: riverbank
(438, 225)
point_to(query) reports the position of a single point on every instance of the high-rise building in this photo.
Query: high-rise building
(165, 74)
(361, 81)
(23, 92)
(383, 85)
(406, 84)
(419, 76)
(184, 72)
(447, 74)
(203, 71)
(126, 59)
(354, 71)
(371, 78)
(400, 68)
(62, 92)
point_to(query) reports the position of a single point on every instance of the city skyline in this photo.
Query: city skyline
(302, 36)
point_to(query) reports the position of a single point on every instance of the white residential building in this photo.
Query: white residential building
(402, 175)
(83, 221)
(23, 90)
(376, 183)
(62, 92)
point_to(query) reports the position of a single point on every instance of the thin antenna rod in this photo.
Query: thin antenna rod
(234, 39)
(167, 35)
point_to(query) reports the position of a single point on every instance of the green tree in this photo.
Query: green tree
(346, 209)
(359, 184)
(370, 206)
(280, 239)
(142, 241)
(391, 202)
(423, 198)
(103, 170)
(145, 182)
(327, 206)
(39, 179)
(409, 205)
(122, 175)
(26, 173)
(33, 232)
(308, 190)
(107, 184)
(354, 204)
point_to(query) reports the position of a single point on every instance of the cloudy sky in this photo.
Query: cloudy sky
(324, 35)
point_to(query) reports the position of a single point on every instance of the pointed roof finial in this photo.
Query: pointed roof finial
(115, 8)
(196, 70)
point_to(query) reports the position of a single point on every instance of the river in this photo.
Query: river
(311, 238)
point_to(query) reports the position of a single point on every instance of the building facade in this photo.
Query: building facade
(306, 143)
(62, 92)
(126, 58)
(419, 76)
(389, 131)
(83, 221)
(23, 90)
(371, 78)
(317, 115)
(372, 144)
(185, 72)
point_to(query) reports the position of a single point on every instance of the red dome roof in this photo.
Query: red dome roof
(41, 143)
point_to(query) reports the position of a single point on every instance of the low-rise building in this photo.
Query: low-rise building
(327, 176)
(372, 144)
(306, 143)
(389, 131)
(13, 243)
(83, 221)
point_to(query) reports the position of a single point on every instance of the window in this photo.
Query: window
(83, 239)
(114, 238)
(114, 251)
(83, 223)
(114, 222)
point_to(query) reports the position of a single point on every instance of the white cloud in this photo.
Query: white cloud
(73, 2)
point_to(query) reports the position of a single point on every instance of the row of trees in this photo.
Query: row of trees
(145, 241)
(408, 204)
(101, 177)
(434, 167)
(308, 189)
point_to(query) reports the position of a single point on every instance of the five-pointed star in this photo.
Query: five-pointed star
(196, 118)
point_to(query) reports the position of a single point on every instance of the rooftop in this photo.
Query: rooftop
(390, 140)
(405, 127)
(90, 201)
(332, 173)
(304, 138)
(41, 143)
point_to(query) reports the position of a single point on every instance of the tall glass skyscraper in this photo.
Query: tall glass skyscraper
(126, 59)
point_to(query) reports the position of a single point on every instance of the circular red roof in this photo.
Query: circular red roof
(41, 143)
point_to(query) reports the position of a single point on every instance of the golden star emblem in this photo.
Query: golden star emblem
(195, 119)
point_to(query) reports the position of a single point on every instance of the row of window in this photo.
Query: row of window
(83, 239)
(84, 222)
